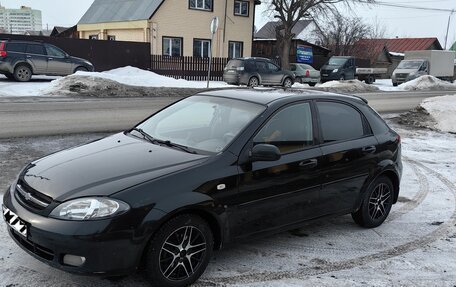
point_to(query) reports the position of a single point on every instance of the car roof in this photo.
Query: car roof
(268, 96)
(252, 58)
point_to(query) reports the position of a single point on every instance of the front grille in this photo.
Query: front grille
(326, 72)
(401, 76)
(39, 250)
(29, 197)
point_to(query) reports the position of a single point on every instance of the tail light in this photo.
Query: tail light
(307, 73)
(2, 50)
(240, 68)
(398, 138)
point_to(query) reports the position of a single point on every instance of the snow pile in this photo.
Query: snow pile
(443, 111)
(351, 86)
(427, 83)
(135, 77)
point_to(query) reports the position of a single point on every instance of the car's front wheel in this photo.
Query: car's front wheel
(287, 83)
(22, 73)
(180, 251)
(376, 205)
(80, 69)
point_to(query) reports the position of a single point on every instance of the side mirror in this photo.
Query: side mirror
(265, 152)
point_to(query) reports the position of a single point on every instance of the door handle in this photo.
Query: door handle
(50, 59)
(311, 163)
(28, 56)
(369, 149)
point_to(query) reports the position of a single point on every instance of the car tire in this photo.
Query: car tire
(312, 84)
(395, 84)
(253, 82)
(376, 204)
(80, 69)
(342, 78)
(167, 259)
(287, 83)
(22, 73)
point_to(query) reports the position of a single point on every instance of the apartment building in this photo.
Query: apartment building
(19, 21)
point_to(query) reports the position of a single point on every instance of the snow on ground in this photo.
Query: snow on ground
(350, 86)
(427, 83)
(443, 110)
(35, 87)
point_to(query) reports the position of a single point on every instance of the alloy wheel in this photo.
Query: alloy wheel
(23, 74)
(182, 253)
(288, 83)
(379, 201)
(253, 82)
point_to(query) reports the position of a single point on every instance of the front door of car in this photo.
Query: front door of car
(273, 194)
(58, 62)
(275, 74)
(37, 58)
(349, 155)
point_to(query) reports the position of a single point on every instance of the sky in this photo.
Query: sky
(398, 22)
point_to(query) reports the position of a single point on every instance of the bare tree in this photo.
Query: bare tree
(289, 12)
(340, 33)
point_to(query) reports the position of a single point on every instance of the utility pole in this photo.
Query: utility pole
(448, 27)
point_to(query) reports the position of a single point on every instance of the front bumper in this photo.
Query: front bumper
(110, 246)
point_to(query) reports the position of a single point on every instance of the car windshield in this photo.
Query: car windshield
(337, 61)
(202, 123)
(410, 65)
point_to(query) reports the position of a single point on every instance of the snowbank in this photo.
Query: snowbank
(427, 83)
(351, 86)
(443, 111)
(136, 77)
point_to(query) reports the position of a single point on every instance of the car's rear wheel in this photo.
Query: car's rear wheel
(180, 251)
(312, 84)
(376, 205)
(253, 82)
(287, 83)
(22, 73)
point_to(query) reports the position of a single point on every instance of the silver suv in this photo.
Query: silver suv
(256, 71)
(19, 60)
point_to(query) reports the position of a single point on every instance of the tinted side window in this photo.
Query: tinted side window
(290, 129)
(249, 66)
(36, 49)
(261, 67)
(272, 67)
(339, 122)
(16, 47)
(55, 52)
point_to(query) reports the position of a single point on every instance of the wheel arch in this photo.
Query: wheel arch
(23, 64)
(260, 80)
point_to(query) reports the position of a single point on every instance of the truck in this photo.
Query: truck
(350, 68)
(439, 64)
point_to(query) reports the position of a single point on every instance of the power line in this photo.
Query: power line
(413, 7)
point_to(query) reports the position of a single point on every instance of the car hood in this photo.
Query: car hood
(81, 60)
(104, 167)
(405, 71)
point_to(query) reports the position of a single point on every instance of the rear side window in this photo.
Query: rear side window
(16, 47)
(36, 49)
(261, 67)
(249, 66)
(339, 122)
(54, 51)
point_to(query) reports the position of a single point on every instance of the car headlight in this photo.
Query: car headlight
(89, 209)
(335, 70)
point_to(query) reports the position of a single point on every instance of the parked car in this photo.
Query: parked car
(256, 71)
(349, 68)
(305, 74)
(208, 170)
(19, 60)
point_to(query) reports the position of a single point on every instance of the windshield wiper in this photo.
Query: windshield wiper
(145, 135)
(163, 142)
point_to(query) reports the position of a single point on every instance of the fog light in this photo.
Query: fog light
(73, 260)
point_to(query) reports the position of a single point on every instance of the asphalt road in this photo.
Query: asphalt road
(36, 116)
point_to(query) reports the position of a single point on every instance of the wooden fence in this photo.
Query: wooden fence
(189, 68)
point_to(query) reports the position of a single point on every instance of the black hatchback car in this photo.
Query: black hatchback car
(208, 170)
(19, 60)
(256, 71)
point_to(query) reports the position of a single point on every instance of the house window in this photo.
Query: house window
(235, 49)
(172, 46)
(201, 4)
(93, 37)
(111, 38)
(201, 48)
(241, 8)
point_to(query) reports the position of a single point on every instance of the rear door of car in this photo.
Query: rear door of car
(37, 57)
(58, 62)
(279, 193)
(349, 155)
